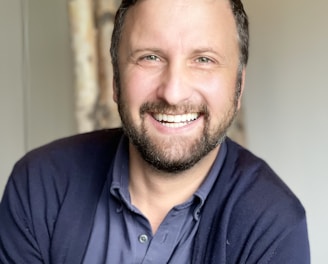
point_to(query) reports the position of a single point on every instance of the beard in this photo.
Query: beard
(177, 153)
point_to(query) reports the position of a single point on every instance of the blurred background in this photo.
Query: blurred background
(285, 107)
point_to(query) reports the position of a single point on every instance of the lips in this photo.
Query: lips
(176, 121)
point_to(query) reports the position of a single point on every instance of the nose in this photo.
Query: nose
(175, 83)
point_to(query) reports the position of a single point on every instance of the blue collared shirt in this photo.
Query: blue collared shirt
(122, 234)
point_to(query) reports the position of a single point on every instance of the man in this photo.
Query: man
(171, 188)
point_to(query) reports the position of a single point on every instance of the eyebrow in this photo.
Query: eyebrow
(139, 50)
(210, 50)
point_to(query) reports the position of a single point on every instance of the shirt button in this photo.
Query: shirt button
(143, 239)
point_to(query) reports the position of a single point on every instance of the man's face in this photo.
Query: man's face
(178, 65)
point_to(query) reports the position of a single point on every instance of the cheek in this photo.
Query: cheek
(135, 91)
(219, 94)
(138, 85)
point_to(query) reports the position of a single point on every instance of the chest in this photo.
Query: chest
(121, 234)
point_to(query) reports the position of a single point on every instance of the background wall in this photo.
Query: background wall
(36, 78)
(12, 139)
(286, 101)
(285, 97)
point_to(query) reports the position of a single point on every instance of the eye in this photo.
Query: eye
(151, 58)
(204, 60)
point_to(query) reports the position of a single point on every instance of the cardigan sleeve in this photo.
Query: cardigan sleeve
(294, 249)
(251, 216)
(47, 209)
(17, 238)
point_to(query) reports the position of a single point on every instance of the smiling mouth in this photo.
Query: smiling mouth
(176, 121)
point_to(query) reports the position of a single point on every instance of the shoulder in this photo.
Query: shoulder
(52, 193)
(66, 151)
(256, 186)
(81, 144)
(77, 160)
(253, 176)
(263, 210)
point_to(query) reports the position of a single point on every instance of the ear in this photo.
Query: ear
(242, 86)
(114, 91)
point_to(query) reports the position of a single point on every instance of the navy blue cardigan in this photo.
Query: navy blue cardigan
(48, 208)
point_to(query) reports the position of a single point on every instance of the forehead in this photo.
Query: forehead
(187, 22)
(156, 9)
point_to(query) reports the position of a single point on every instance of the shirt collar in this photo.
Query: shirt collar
(120, 180)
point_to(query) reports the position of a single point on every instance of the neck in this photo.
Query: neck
(155, 193)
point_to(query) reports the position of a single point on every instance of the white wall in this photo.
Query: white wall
(286, 101)
(36, 78)
(11, 87)
(50, 72)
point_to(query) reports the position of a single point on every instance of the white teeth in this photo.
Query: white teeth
(176, 120)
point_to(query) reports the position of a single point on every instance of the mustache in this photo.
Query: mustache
(162, 107)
